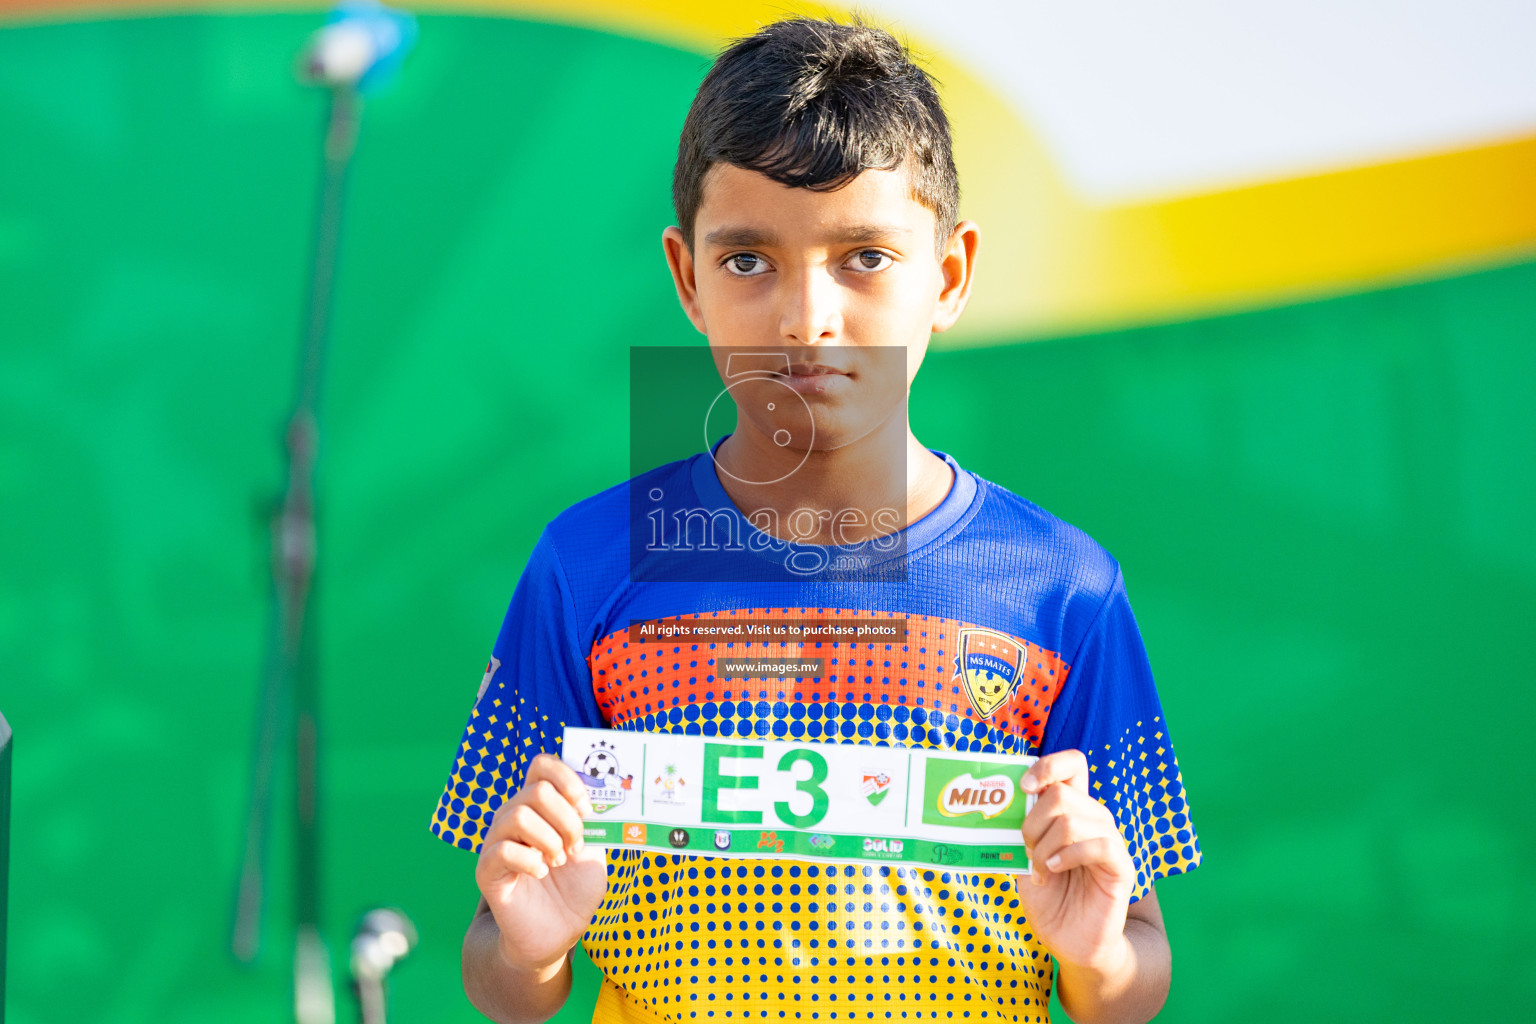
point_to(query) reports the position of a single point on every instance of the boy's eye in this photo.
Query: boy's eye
(870, 259)
(744, 264)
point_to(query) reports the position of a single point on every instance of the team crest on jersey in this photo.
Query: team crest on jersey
(490, 673)
(989, 663)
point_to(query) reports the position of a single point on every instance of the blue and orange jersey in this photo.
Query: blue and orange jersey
(1018, 638)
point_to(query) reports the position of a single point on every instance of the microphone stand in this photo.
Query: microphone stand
(383, 937)
(290, 689)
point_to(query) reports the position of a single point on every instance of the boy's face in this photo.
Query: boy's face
(847, 284)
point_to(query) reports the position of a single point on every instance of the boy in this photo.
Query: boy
(817, 238)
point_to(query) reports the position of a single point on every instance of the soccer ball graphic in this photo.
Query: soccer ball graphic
(601, 764)
(600, 774)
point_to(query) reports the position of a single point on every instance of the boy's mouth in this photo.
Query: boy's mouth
(813, 379)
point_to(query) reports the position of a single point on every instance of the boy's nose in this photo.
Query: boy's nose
(811, 309)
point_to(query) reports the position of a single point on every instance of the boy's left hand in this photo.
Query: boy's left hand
(1081, 876)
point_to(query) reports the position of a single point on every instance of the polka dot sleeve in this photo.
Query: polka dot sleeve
(536, 683)
(1109, 709)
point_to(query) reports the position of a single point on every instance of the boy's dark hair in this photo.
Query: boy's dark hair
(810, 104)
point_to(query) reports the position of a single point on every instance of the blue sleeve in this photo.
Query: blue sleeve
(537, 682)
(1109, 710)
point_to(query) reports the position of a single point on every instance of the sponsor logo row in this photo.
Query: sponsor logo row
(639, 834)
(769, 842)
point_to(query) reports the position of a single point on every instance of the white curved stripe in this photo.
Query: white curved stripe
(1141, 99)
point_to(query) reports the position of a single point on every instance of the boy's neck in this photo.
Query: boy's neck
(887, 491)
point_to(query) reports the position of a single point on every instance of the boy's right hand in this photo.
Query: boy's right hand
(543, 885)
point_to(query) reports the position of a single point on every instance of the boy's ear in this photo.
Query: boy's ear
(958, 265)
(680, 262)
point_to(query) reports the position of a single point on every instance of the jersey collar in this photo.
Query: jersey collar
(930, 528)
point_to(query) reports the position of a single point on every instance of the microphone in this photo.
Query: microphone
(361, 45)
(383, 937)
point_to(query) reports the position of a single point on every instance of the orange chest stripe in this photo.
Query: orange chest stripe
(648, 680)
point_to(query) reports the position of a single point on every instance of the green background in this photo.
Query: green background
(1323, 512)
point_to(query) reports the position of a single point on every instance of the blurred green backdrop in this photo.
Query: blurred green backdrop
(1323, 511)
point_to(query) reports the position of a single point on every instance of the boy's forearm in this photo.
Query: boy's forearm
(1131, 992)
(503, 992)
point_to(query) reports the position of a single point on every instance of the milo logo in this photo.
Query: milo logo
(988, 796)
(973, 794)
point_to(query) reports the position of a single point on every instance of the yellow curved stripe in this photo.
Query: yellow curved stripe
(1052, 263)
